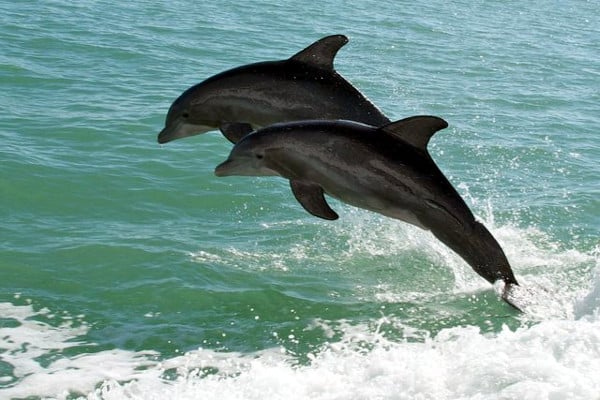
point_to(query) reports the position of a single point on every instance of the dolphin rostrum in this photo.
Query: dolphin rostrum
(242, 99)
(387, 170)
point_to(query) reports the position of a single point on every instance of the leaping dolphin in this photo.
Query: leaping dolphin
(237, 101)
(387, 170)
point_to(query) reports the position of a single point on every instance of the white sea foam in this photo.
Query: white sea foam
(557, 357)
(555, 354)
(552, 359)
(27, 345)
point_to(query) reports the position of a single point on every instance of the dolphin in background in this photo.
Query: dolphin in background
(237, 101)
(387, 170)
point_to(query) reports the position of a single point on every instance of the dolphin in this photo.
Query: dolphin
(237, 101)
(387, 170)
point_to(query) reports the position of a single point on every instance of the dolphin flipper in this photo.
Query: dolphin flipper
(310, 196)
(235, 131)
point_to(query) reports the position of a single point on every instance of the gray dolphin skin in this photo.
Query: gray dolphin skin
(242, 99)
(387, 170)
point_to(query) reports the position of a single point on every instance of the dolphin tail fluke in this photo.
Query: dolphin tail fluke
(510, 294)
(528, 299)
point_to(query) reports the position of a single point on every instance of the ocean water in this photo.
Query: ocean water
(129, 271)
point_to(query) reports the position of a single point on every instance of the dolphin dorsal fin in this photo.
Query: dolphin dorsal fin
(321, 53)
(416, 130)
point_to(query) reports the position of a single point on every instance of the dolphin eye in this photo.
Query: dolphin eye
(185, 114)
(259, 156)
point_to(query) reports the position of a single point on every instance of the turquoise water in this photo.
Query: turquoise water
(128, 270)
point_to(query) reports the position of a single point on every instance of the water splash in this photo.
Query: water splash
(553, 354)
(552, 359)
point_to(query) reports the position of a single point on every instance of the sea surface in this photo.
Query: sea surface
(129, 271)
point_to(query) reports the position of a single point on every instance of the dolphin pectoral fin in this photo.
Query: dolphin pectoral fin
(415, 130)
(235, 131)
(321, 53)
(310, 196)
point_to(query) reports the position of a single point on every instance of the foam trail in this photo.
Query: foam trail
(554, 359)
(554, 354)
(557, 357)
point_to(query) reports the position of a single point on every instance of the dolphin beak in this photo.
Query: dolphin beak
(226, 168)
(180, 130)
(242, 166)
(165, 135)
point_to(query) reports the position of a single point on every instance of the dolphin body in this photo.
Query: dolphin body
(242, 99)
(387, 170)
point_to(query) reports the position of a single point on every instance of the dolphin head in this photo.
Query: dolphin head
(187, 117)
(249, 157)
